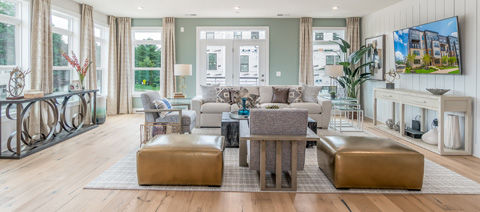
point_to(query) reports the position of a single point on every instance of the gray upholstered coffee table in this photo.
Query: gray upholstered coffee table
(230, 130)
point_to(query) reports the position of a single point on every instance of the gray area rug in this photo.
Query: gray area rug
(437, 179)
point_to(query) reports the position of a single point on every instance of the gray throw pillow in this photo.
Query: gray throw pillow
(280, 95)
(223, 95)
(295, 95)
(310, 93)
(209, 92)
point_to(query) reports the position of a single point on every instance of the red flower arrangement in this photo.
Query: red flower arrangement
(81, 69)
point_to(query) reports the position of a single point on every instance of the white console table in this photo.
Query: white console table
(425, 100)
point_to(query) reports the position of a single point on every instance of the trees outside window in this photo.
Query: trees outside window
(62, 37)
(147, 64)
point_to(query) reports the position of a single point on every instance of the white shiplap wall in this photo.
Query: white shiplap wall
(409, 13)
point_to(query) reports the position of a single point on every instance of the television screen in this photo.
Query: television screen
(432, 48)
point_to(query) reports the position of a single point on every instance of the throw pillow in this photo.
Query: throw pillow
(223, 95)
(160, 105)
(295, 95)
(235, 96)
(310, 93)
(167, 103)
(265, 94)
(280, 95)
(209, 92)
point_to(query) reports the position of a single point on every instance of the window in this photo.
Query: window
(325, 52)
(148, 51)
(14, 39)
(62, 27)
(101, 53)
(212, 61)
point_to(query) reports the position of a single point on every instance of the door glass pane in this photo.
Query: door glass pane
(7, 44)
(215, 65)
(148, 55)
(60, 45)
(61, 80)
(249, 65)
(147, 80)
(8, 8)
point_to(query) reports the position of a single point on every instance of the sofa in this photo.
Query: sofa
(209, 113)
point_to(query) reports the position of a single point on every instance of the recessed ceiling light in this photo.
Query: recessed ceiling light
(335, 8)
(236, 8)
(140, 8)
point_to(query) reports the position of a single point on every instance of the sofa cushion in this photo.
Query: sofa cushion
(295, 95)
(251, 89)
(280, 105)
(310, 106)
(215, 107)
(310, 93)
(209, 92)
(266, 93)
(280, 95)
(188, 116)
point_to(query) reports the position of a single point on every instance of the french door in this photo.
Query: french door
(234, 62)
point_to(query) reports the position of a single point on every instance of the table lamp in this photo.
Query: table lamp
(333, 71)
(181, 70)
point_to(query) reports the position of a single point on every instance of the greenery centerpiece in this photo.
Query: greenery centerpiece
(353, 77)
(81, 69)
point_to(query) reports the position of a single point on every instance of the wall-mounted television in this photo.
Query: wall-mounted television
(432, 48)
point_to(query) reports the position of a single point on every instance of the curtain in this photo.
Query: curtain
(168, 56)
(87, 50)
(120, 76)
(42, 64)
(306, 60)
(353, 33)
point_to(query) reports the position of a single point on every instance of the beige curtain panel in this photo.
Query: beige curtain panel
(306, 58)
(87, 50)
(353, 33)
(42, 64)
(120, 73)
(168, 56)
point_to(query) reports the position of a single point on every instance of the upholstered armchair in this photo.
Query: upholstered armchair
(281, 122)
(185, 119)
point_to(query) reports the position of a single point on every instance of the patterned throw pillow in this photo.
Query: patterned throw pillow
(295, 95)
(223, 95)
(235, 96)
(310, 93)
(160, 105)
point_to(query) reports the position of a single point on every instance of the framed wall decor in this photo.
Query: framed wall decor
(377, 56)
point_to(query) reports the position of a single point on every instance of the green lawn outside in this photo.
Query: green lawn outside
(139, 87)
(454, 72)
(423, 71)
(447, 67)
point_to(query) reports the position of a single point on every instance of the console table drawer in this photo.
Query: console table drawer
(421, 102)
(385, 96)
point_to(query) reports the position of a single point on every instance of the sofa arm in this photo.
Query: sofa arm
(197, 103)
(326, 105)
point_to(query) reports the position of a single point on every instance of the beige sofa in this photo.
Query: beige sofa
(209, 114)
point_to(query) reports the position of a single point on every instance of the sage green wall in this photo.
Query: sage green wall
(284, 42)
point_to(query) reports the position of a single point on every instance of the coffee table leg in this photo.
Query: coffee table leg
(263, 164)
(294, 166)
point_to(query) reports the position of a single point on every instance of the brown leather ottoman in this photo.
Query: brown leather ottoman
(367, 162)
(181, 160)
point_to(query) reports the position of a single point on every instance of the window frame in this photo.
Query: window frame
(73, 34)
(103, 39)
(146, 42)
(325, 42)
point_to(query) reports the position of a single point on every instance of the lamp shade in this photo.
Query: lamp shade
(334, 71)
(183, 70)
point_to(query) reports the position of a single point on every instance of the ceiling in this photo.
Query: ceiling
(247, 8)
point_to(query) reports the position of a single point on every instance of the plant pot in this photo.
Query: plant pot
(390, 85)
(333, 96)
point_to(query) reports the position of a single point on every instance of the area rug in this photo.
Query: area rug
(437, 180)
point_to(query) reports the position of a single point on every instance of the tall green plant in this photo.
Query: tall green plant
(353, 77)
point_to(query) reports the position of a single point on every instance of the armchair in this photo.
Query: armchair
(184, 119)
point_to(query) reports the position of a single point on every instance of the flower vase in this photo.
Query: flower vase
(244, 111)
(82, 78)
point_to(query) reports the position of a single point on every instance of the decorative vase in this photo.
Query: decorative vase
(244, 111)
(81, 78)
(452, 133)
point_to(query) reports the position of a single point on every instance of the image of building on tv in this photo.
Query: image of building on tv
(432, 48)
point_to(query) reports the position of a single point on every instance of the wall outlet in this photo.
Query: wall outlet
(279, 74)
(182, 29)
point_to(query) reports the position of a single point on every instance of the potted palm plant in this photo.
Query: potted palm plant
(352, 64)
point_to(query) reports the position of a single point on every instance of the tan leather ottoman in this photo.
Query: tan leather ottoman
(181, 160)
(367, 162)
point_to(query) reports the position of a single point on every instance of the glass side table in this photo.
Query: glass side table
(344, 112)
(181, 102)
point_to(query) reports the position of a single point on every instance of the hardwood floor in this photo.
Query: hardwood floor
(53, 180)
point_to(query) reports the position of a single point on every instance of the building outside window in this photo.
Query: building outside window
(147, 64)
(63, 32)
(325, 52)
(14, 40)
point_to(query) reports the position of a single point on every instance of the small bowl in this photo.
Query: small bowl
(437, 92)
